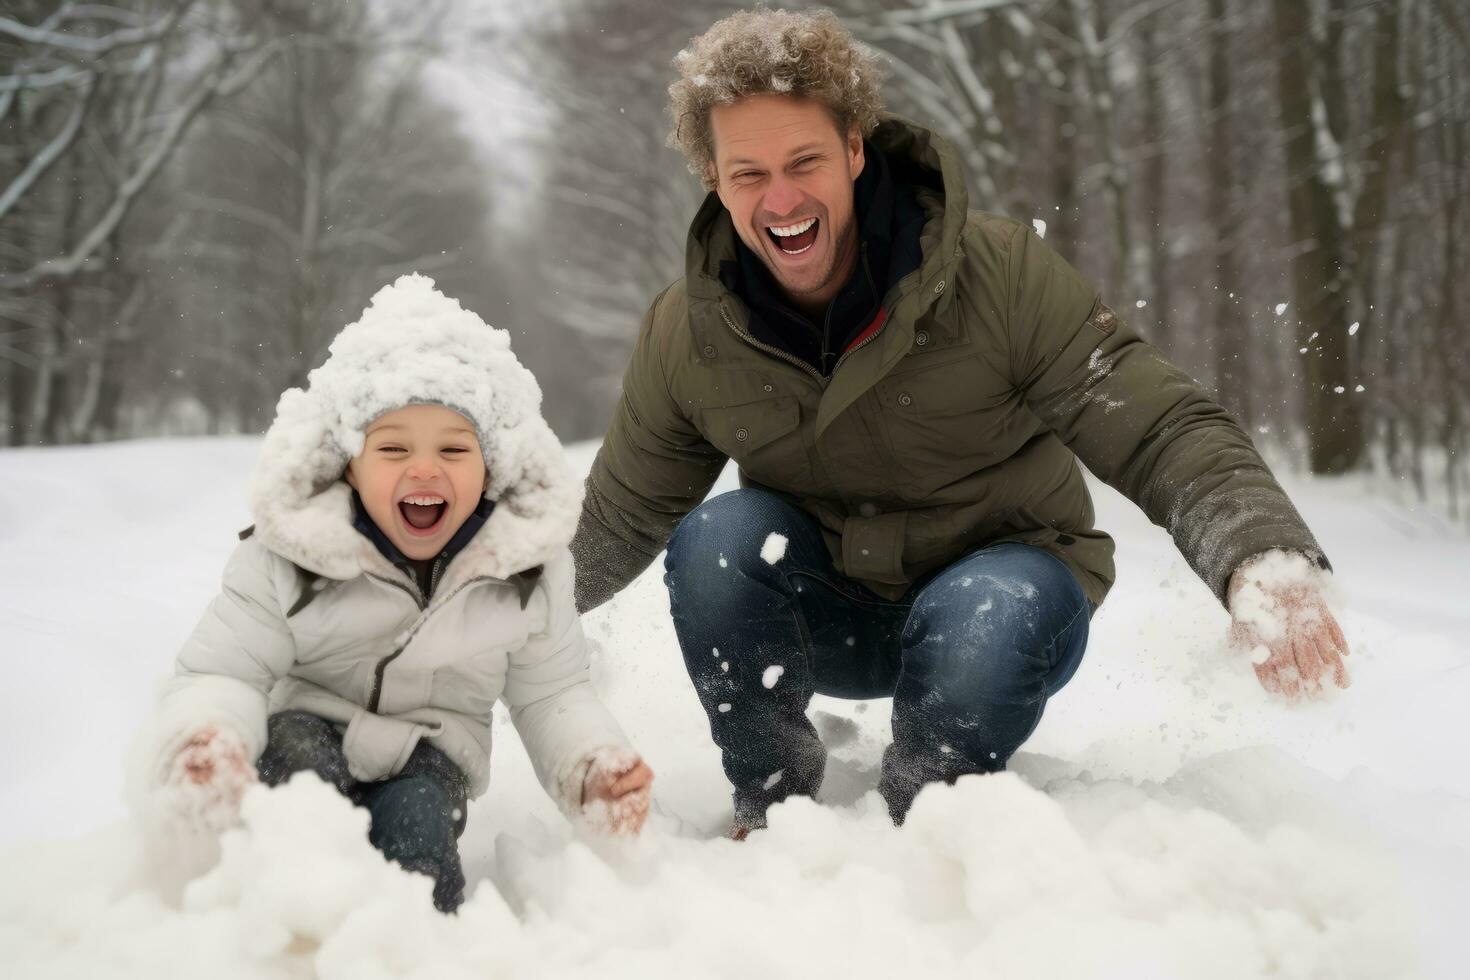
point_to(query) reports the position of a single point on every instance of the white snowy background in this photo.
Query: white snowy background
(1168, 819)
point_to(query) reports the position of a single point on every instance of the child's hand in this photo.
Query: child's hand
(212, 767)
(616, 791)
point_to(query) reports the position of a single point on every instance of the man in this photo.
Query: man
(907, 386)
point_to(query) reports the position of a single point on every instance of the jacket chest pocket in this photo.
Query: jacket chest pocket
(947, 421)
(763, 437)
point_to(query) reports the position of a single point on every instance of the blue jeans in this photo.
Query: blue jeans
(969, 655)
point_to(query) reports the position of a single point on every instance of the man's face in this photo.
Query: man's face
(420, 474)
(785, 173)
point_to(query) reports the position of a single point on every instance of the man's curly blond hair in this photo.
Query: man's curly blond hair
(808, 54)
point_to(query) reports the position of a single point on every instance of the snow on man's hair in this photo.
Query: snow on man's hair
(807, 54)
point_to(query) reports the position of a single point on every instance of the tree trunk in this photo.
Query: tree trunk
(1155, 180)
(1232, 331)
(1319, 267)
(1064, 228)
(1089, 27)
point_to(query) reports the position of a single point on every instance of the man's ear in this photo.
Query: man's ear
(712, 178)
(855, 160)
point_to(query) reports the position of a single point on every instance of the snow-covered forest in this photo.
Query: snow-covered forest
(196, 194)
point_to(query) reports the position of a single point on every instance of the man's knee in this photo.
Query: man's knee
(714, 561)
(725, 527)
(991, 630)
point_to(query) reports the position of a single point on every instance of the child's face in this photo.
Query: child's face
(420, 474)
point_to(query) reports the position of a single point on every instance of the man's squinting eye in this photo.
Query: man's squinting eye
(805, 161)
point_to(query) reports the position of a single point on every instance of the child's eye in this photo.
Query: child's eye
(391, 449)
(455, 449)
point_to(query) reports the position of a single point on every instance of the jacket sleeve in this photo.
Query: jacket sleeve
(1139, 423)
(224, 673)
(653, 468)
(548, 687)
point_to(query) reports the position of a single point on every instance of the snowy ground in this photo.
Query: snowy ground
(1167, 820)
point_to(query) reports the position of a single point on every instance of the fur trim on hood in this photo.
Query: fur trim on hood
(413, 345)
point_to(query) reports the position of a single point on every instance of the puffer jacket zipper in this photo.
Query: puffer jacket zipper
(382, 666)
(773, 351)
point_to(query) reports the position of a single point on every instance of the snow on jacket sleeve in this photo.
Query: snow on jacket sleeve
(548, 687)
(653, 467)
(1141, 424)
(225, 671)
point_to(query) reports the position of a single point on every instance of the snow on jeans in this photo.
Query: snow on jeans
(417, 815)
(969, 655)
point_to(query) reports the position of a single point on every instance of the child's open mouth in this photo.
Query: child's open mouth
(422, 512)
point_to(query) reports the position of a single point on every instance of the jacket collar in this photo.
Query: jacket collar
(369, 529)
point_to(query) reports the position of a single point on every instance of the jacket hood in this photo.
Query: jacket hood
(413, 345)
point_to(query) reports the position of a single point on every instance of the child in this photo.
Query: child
(407, 567)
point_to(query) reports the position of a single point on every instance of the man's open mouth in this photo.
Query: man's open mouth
(795, 238)
(422, 512)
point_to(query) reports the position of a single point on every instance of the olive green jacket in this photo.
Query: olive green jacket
(957, 424)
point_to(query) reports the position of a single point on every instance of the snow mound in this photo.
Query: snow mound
(1247, 864)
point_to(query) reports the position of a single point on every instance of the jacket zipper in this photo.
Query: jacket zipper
(827, 317)
(848, 353)
(377, 693)
(773, 351)
(378, 678)
(382, 666)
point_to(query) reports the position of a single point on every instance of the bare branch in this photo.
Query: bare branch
(214, 81)
(247, 213)
(943, 10)
(49, 154)
(46, 37)
(11, 84)
(97, 11)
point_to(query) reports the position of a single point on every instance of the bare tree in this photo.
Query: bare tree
(332, 175)
(95, 100)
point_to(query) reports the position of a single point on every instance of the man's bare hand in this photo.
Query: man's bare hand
(617, 792)
(1280, 616)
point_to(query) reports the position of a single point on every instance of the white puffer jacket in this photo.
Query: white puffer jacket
(312, 616)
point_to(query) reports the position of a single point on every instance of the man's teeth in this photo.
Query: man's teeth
(795, 229)
(423, 500)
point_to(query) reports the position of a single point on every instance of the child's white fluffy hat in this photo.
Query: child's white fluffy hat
(412, 345)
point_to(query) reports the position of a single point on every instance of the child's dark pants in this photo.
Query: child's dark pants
(417, 815)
